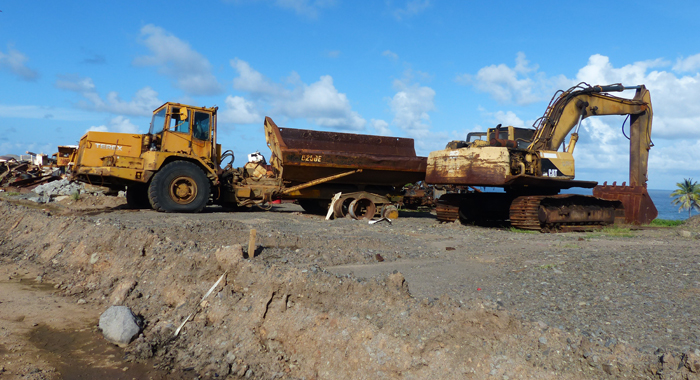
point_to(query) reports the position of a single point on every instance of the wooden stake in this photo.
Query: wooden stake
(251, 244)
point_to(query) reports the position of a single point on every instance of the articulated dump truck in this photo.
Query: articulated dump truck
(177, 167)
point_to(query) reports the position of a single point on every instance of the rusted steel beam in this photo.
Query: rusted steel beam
(319, 181)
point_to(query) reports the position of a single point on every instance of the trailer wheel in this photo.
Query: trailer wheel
(180, 186)
(137, 196)
(341, 208)
(362, 208)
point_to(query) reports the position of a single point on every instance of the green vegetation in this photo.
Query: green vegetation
(569, 245)
(666, 223)
(687, 196)
(75, 196)
(518, 230)
(11, 193)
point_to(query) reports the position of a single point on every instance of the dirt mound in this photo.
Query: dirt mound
(270, 319)
(692, 222)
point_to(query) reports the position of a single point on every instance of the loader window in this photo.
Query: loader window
(177, 125)
(200, 129)
(158, 122)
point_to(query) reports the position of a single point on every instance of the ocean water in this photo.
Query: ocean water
(662, 201)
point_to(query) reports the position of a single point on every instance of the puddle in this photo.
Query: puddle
(32, 284)
(77, 353)
(85, 355)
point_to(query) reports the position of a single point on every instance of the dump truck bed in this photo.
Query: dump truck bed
(304, 155)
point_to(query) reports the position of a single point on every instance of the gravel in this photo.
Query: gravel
(579, 305)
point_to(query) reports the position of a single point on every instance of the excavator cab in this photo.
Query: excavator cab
(510, 137)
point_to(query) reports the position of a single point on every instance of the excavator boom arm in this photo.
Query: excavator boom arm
(573, 106)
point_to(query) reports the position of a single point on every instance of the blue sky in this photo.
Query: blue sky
(427, 69)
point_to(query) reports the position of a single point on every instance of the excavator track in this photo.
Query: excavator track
(447, 207)
(524, 212)
(447, 212)
(563, 213)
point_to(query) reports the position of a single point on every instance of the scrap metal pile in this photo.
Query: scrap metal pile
(26, 171)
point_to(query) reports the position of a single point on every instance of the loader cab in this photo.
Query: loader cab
(177, 128)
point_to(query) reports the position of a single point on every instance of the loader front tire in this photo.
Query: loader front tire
(179, 186)
(137, 196)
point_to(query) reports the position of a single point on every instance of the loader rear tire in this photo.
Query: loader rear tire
(180, 186)
(137, 196)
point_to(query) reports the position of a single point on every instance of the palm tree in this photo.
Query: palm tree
(687, 195)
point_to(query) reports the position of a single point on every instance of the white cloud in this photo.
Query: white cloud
(15, 61)
(21, 147)
(675, 99)
(411, 105)
(380, 127)
(599, 70)
(319, 102)
(508, 118)
(117, 124)
(390, 54)
(142, 104)
(175, 58)
(240, 111)
(73, 82)
(333, 54)
(309, 8)
(99, 128)
(42, 112)
(521, 84)
(411, 8)
(689, 64)
(252, 81)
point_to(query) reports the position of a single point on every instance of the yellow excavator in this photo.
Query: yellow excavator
(533, 165)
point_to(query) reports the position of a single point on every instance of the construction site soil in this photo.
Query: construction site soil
(340, 299)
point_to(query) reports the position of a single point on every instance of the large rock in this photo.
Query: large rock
(119, 325)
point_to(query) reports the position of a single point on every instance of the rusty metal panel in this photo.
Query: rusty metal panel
(308, 140)
(307, 155)
(484, 166)
(639, 208)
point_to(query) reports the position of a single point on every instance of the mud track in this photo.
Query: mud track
(346, 300)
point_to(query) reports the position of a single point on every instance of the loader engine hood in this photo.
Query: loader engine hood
(96, 146)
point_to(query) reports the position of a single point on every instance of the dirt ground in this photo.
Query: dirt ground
(341, 299)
